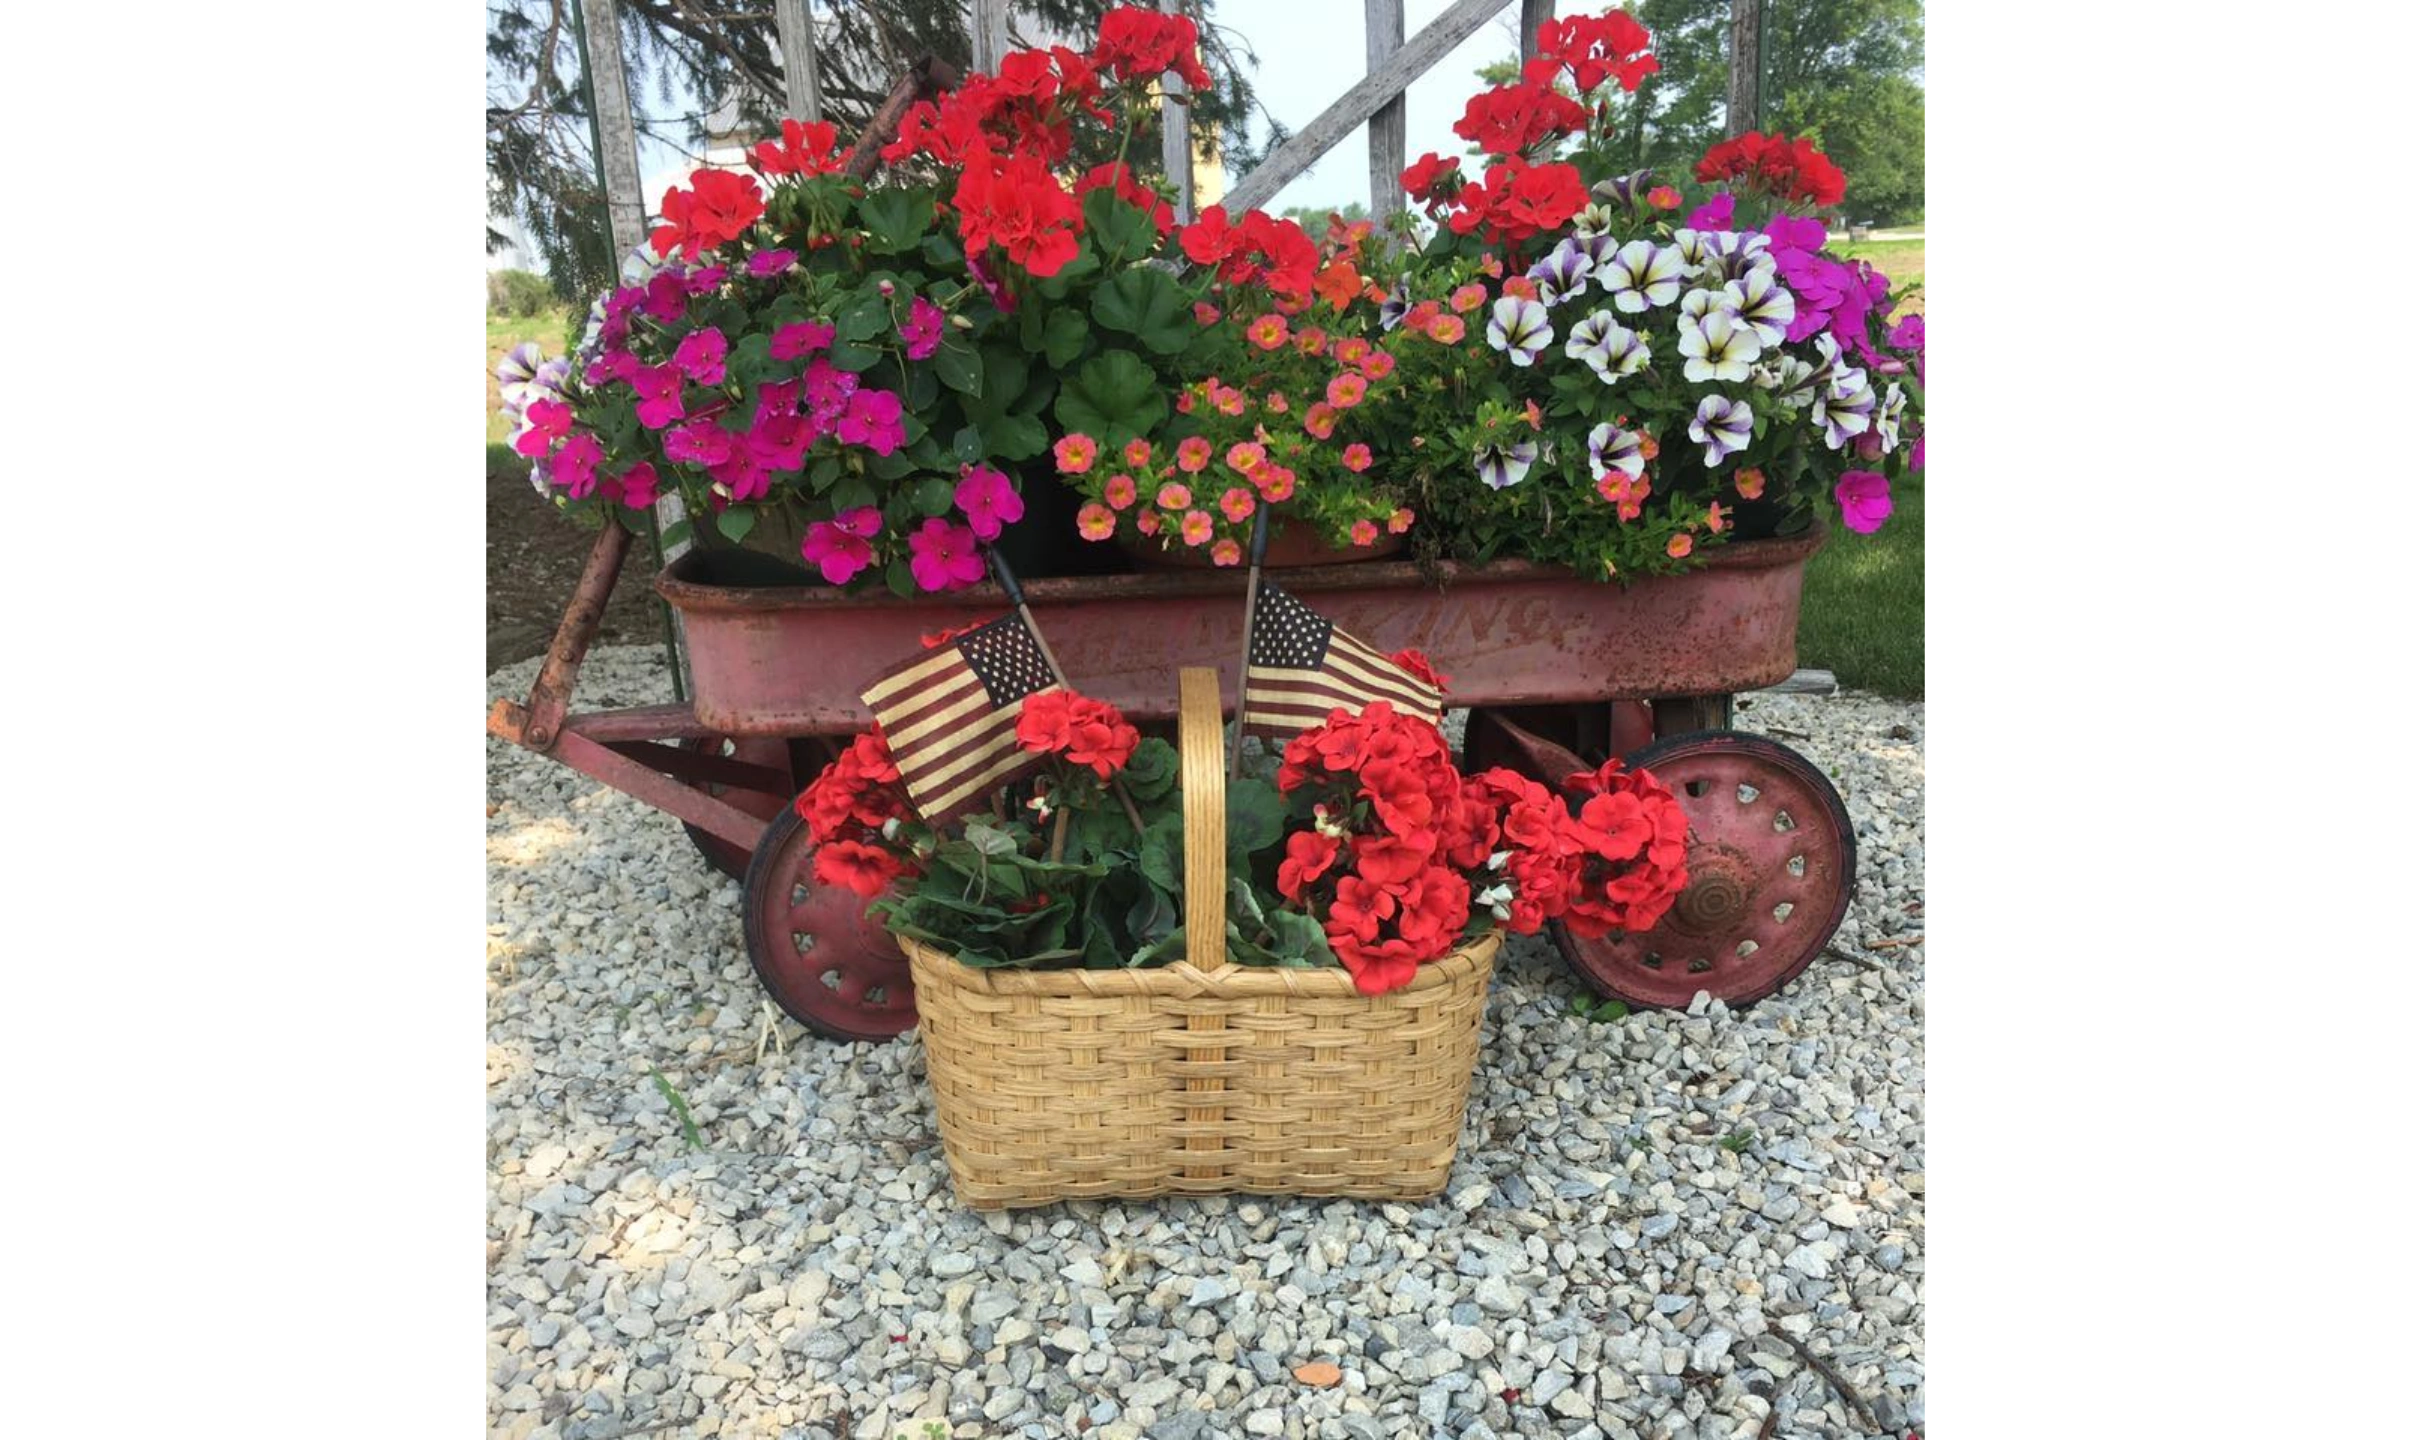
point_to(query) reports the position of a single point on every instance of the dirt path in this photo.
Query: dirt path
(533, 558)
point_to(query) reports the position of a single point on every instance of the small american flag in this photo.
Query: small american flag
(949, 715)
(1300, 667)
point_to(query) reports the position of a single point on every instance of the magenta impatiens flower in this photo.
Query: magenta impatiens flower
(699, 442)
(573, 468)
(1865, 498)
(703, 356)
(842, 547)
(826, 390)
(639, 487)
(660, 394)
(794, 342)
(1717, 214)
(987, 499)
(873, 418)
(547, 421)
(945, 556)
(922, 330)
(665, 297)
(769, 262)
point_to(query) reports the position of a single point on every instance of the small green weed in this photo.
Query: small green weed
(1598, 1011)
(686, 1117)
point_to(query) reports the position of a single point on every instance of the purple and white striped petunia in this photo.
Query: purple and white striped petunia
(1608, 348)
(1791, 380)
(514, 372)
(1626, 192)
(1641, 275)
(1692, 245)
(1613, 448)
(1731, 254)
(1722, 426)
(1520, 327)
(1716, 346)
(1760, 303)
(1887, 418)
(1846, 407)
(1563, 273)
(1593, 220)
(1502, 466)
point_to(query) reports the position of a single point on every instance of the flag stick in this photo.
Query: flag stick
(1013, 596)
(1247, 627)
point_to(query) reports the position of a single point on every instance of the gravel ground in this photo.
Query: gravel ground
(1601, 1265)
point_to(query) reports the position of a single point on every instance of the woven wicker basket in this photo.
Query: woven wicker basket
(1204, 1077)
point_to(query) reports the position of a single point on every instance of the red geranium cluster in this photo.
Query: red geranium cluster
(707, 217)
(1788, 169)
(1083, 731)
(846, 808)
(1511, 119)
(801, 150)
(1278, 252)
(1516, 200)
(1137, 44)
(1027, 105)
(1014, 201)
(1617, 864)
(1593, 48)
(1384, 866)
(1432, 182)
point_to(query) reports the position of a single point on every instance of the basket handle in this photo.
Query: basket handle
(1204, 814)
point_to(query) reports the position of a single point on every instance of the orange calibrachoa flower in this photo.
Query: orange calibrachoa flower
(1245, 456)
(1678, 547)
(1074, 453)
(1357, 457)
(1225, 552)
(1344, 392)
(1401, 520)
(1277, 482)
(1467, 298)
(1339, 284)
(1379, 364)
(1137, 453)
(1364, 532)
(1120, 491)
(1716, 517)
(1194, 455)
(1312, 339)
(1238, 503)
(1751, 482)
(1352, 351)
(1096, 522)
(1321, 419)
(1447, 329)
(1269, 332)
(1196, 527)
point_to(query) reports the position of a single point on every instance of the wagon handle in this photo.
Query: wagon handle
(1203, 815)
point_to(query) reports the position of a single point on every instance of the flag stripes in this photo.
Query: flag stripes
(949, 715)
(1301, 667)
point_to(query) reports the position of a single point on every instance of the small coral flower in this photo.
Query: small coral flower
(1379, 364)
(1312, 340)
(1401, 520)
(1447, 329)
(1269, 332)
(1665, 197)
(1137, 453)
(1364, 532)
(1357, 457)
(1196, 527)
(1226, 552)
(1345, 391)
(1751, 482)
(1120, 490)
(1466, 298)
(1238, 503)
(1195, 454)
(1096, 522)
(1716, 517)
(1320, 418)
(1277, 482)
(1075, 453)
(1173, 496)
(1678, 547)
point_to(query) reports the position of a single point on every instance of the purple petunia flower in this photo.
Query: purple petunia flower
(1722, 427)
(1520, 327)
(1626, 191)
(1846, 408)
(1717, 214)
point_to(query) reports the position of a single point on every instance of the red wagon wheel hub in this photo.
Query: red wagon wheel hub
(1773, 862)
(828, 964)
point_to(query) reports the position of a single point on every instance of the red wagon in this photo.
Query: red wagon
(1556, 672)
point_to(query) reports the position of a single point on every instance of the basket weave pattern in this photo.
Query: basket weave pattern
(1203, 1077)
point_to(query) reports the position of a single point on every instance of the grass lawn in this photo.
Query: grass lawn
(545, 327)
(1862, 608)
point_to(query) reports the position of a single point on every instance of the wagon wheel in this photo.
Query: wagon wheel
(828, 964)
(1774, 861)
(770, 751)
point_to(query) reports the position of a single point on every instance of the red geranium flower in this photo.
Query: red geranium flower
(864, 869)
(716, 211)
(1431, 180)
(1514, 201)
(1511, 119)
(1793, 170)
(1594, 48)
(1311, 855)
(1045, 724)
(1100, 738)
(1419, 665)
(1016, 203)
(1140, 44)
(802, 150)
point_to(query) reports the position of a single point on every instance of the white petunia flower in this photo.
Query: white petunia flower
(1641, 275)
(1758, 302)
(1716, 346)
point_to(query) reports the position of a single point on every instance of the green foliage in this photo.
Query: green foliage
(1598, 1011)
(1114, 397)
(686, 1117)
(518, 293)
(1739, 1140)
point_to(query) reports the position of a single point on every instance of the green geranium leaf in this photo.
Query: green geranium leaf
(1064, 337)
(1298, 939)
(1153, 771)
(1149, 304)
(1114, 397)
(1122, 230)
(959, 366)
(1160, 855)
(1255, 816)
(1152, 916)
(1015, 437)
(934, 496)
(896, 218)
